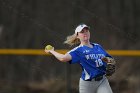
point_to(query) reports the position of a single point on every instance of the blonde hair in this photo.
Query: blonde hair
(72, 40)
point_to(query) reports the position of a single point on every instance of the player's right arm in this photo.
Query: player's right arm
(61, 57)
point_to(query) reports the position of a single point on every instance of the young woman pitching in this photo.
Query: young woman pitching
(89, 56)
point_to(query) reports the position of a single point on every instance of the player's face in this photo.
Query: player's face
(84, 35)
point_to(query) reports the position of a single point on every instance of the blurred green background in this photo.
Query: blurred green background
(32, 24)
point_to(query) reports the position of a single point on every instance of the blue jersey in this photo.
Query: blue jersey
(90, 60)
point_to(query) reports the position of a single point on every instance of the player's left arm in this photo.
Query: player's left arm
(111, 63)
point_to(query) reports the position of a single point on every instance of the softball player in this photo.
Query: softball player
(88, 55)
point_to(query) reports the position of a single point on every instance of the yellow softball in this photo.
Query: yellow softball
(48, 47)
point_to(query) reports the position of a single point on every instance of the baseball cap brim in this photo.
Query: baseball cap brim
(80, 28)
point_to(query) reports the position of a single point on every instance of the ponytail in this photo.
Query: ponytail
(72, 40)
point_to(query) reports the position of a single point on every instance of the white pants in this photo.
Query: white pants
(93, 86)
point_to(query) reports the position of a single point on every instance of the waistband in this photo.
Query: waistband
(98, 78)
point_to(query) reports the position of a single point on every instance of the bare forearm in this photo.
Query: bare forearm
(59, 56)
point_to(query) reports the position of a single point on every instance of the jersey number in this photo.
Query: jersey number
(98, 62)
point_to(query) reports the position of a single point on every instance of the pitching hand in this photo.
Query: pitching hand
(49, 48)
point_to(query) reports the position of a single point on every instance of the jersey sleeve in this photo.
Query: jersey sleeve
(105, 52)
(75, 57)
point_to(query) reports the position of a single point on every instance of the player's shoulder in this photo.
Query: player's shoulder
(75, 48)
(96, 44)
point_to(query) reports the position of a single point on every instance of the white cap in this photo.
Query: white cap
(80, 27)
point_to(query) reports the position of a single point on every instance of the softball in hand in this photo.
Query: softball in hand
(48, 47)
